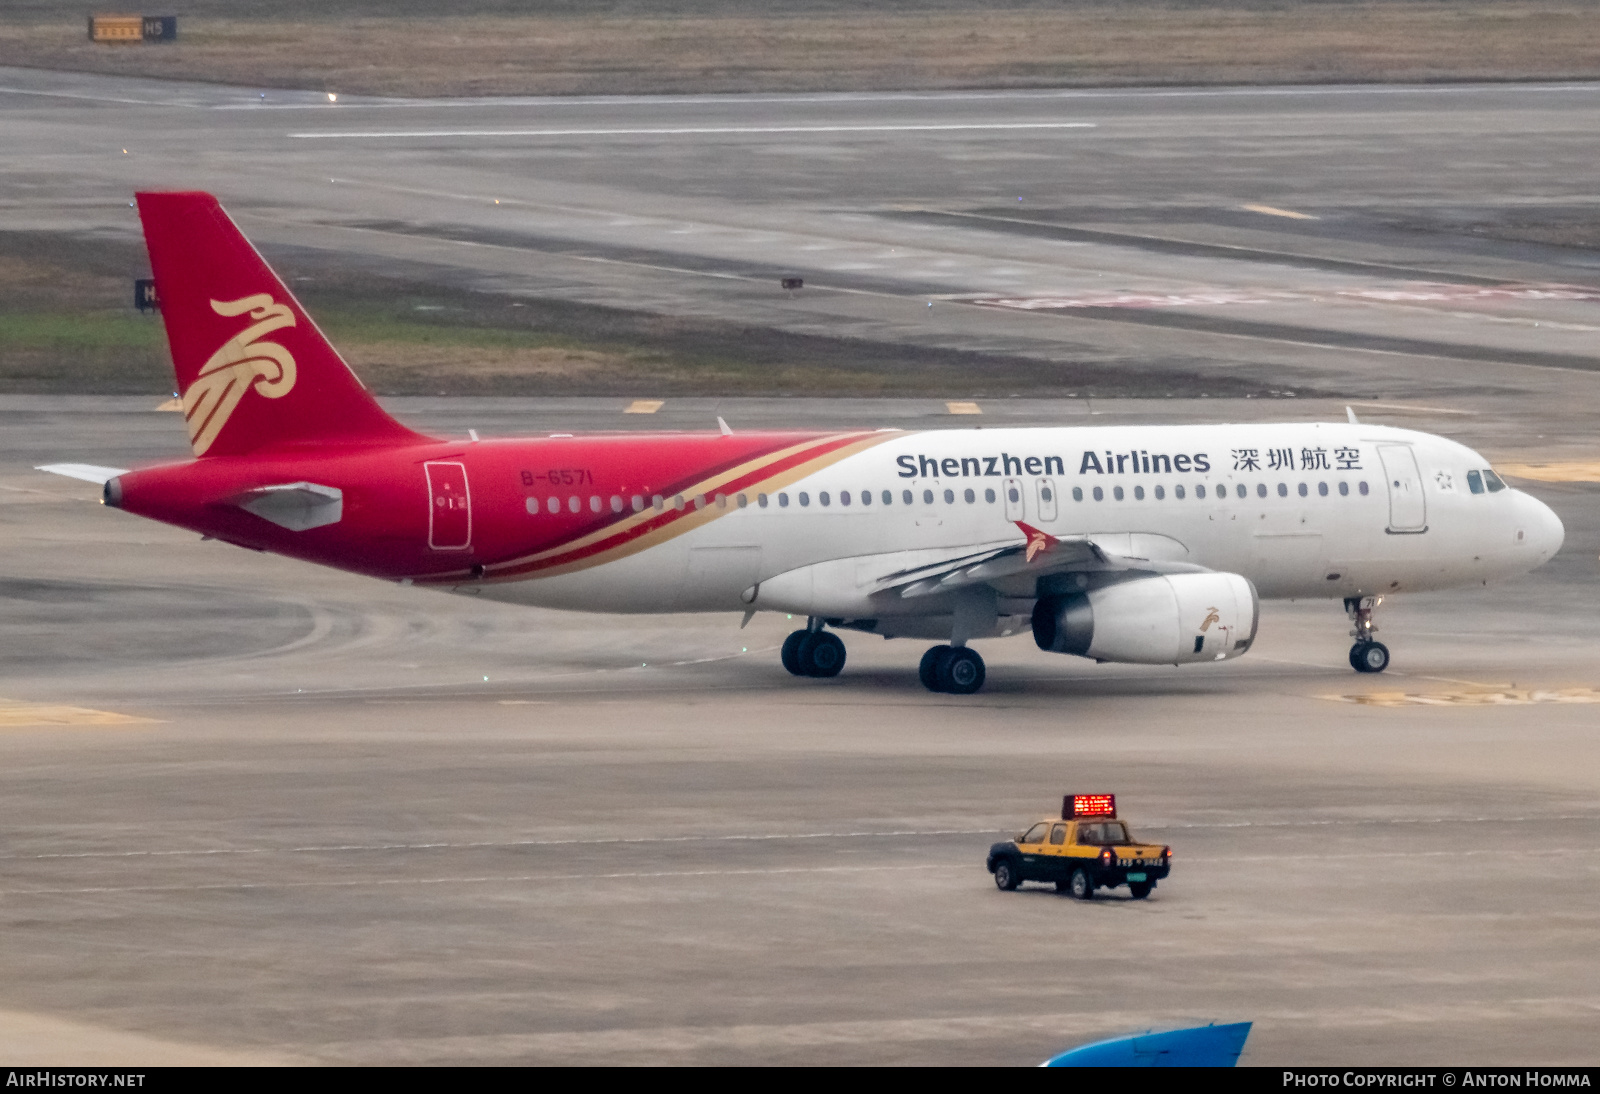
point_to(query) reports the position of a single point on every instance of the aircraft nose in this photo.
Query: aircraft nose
(1544, 528)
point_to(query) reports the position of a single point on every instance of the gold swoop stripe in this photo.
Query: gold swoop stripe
(691, 518)
(15, 714)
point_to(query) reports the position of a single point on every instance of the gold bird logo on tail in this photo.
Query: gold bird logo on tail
(241, 362)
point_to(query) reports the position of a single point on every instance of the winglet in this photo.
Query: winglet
(722, 425)
(1350, 412)
(1038, 541)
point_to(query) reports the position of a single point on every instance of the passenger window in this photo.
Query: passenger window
(969, 495)
(927, 497)
(1116, 492)
(1099, 494)
(553, 504)
(721, 500)
(1034, 834)
(783, 501)
(805, 498)
(658, 503)
(1344, 489)
(1058, 835)
(905, 497)
(532, 505)
(1177, 491)
(1138, 493)
(1492, 481)
(574, 503)
(699, 501)
(844, 497)
(866, 497)
(1361, 486)
(1475, 482)
(1077, 493)
(1047, 499)
(1304, 491)
(888, 497)
(822, 497)
(1283, 490)
(989, 495)
(1161, 493)
(742, 500)
(638, 504)
(1199, 491)
(949, 497)
(594, 503)
(616, 504)
(761, 500)
(677, 502)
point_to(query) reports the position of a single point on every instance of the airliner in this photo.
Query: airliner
(1136, 544)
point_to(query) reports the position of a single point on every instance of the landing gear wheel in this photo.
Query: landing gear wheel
(1081, 885)
(1005, 876)
(820, 654)
(1369, 657)
(960, 671)
(1141, 889)
(790, 655)
(928, 671)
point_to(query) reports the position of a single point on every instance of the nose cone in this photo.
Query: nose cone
(1545, 530)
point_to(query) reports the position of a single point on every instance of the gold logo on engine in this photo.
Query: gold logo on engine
(240, 363)
(1211, 617)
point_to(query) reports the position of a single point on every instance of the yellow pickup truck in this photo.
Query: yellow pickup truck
(1087, 848)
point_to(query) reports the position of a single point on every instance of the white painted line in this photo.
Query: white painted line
(708, 130)
(1274, 211)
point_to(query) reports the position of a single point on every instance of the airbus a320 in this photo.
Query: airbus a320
(1142, 544)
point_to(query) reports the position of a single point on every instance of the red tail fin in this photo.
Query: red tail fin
(253, 369)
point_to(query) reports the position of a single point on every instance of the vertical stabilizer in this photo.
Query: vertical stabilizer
(252, 368)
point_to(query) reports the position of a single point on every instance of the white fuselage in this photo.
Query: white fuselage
(1301, 510)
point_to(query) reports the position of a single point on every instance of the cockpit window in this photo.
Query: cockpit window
(1475, 481)
(1492, 481)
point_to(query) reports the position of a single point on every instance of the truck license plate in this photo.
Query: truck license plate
(1135, 877)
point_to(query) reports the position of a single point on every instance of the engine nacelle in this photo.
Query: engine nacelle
(1165, 620)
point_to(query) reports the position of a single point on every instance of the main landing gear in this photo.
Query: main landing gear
(813, 651)
(1368, 654)
(955, 670)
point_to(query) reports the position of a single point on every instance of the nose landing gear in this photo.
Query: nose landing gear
(813, 652)
(1368, 654)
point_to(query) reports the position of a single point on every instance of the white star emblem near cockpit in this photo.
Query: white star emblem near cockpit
(1445, 481)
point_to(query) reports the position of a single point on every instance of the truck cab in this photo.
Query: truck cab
(1087, 848)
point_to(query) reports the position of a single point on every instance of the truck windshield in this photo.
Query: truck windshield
(1103, 832)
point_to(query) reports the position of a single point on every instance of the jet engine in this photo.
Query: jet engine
(1168, 619)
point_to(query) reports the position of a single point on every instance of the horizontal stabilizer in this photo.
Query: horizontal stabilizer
(297, 506)
(88, 472)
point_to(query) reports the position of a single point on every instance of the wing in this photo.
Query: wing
(1011, 571)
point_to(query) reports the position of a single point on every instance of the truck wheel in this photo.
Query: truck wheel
(1005, 875)
(1081, 884)
(1141, 889)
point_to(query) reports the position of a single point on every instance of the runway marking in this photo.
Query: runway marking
(644, 406)
(1273, 211)
(1500, 697)
(686, 131)
(1411, 409)
(1565, 853)
(1406, 293)
(992, 833)
(963, 408)
(482, 879)
(15, 714)
(1555, 471)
